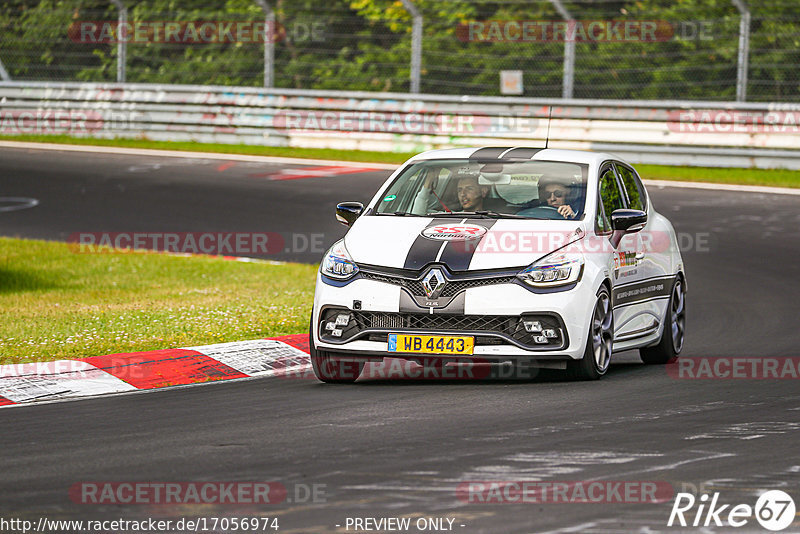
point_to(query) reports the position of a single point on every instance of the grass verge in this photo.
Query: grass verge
(767, 177)
(56, 304)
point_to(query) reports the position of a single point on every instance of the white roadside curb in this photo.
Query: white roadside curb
(61, 380)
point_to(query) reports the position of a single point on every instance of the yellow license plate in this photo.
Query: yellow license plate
(461, 345)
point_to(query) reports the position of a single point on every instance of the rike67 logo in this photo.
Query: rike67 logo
(774, 510)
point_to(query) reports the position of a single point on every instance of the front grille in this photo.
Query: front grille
(455, 323)
(489, 329)
(455, 287)
(381, 322)
(451, 289)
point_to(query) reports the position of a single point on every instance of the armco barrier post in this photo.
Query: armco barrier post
(416, 44)
(269, 43)
(4, 73)
(122, 45)
(569, 50)
(744, 50)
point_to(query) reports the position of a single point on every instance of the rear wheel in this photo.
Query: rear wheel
(597, 355)
(330, 367)
(671, 342)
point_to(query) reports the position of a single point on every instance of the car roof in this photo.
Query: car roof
(525, 153)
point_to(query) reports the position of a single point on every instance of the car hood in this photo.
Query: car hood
(463, 244)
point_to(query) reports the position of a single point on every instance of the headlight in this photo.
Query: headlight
(337, 262)
(556, 269)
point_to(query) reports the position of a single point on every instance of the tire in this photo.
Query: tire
(674, 331)
(329, 367)
(599, 343)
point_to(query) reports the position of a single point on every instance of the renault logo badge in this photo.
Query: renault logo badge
(433, 283)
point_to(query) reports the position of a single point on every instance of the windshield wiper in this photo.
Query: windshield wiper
(485, 214)
(401, 214)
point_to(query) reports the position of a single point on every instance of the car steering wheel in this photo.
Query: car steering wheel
(541, 212)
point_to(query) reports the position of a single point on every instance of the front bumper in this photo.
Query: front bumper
(493, 314)
(546, 331)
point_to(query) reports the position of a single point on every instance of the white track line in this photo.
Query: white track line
(302, 161)
(182, 154)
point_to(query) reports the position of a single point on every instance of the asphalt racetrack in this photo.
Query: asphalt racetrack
(401, 448)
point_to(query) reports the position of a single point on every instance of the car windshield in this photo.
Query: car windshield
(490, 188)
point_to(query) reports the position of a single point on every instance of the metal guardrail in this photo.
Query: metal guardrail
(714, 134)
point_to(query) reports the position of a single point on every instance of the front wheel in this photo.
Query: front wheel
(671, 342)
(329, 367)
(597, 355)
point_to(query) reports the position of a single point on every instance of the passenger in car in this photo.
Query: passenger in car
(471, 196)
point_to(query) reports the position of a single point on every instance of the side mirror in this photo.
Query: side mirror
(626, 222)
(348, 212)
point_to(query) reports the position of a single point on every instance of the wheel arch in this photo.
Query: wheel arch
(682, 277)
(606, 282)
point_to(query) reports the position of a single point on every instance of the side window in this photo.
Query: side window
(401, 195)
(633, 188)
(610, 197)
(601, 225)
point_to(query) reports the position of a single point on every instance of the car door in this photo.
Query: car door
(652, 260)
(626, 276)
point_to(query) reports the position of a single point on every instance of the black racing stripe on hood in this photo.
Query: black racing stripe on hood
(457, 255)
(522, 152)
(489, 152)
(424, 250)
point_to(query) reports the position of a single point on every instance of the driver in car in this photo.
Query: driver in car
(553, 193)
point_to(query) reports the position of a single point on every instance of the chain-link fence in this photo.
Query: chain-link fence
(595, 49)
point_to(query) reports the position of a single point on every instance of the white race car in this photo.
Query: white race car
(536, 258)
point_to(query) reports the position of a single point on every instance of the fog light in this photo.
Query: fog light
(549, 333)
(539, 339)
(329, 326)
(532, 326)
(342, 319)
(337, 332)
